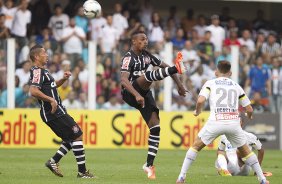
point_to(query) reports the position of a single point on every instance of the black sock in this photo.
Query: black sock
(160, 74)
(78, 151)
(62, 151)
(153, 143)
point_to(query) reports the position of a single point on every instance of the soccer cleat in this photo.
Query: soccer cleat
(179, 63)
(264, 182)
(151, 173)
(87, 174)
(180, 180)
(54, 167)
(223, 172)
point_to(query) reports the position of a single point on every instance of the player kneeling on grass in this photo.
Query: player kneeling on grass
(224, 97)
(53, 113)
(228, 160)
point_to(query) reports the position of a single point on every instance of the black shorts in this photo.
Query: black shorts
(150, 104)
(65, 127)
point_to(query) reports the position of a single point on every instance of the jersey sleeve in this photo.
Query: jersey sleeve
(36, 77)
(126, 64)
(206, 90)
(243, 99)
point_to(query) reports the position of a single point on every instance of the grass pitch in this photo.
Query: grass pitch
(26, 166)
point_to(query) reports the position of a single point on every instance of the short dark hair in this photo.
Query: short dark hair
(137, 32)
(224, 66)
(34, 51)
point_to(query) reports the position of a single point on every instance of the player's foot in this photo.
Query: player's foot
(180, 179)
(54, 167)
(151, 173)
(264, 182)
(223, 172)
(87, 174)
(181, 68)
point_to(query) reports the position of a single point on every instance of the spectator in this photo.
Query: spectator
(270, 48)
(65, 66)
(206, 50)
(119, 21)
(58, 22)
(64, 90)
(257, 105)
(20, 24)
(100, 100)
(217, 33)
(96, 26)
(246, 40)
(146, 12)
(201, 26)
(76, 86)
(226, 55)
(4, 31)
(178, 41)
(23, 73)
(276, 85)
(188, 22)
(259, 42)
(108, 39)
(198, 78)
(259, 79)
(225, 16)
(73, 38)
(83, 100)
(171, 28)
(71, 102)
(173, 15)
(45, 35)
(80, 20)
(112, 104)
(178, 104)
(259, 22)
(190, 56)
(9, 11)
(245, 58)
(233, 39)
(156, 34)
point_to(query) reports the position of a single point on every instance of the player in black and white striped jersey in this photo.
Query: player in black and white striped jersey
(53, 113)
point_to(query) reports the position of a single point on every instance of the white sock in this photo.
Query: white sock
(252, 161)
(188, 160)
(222, 162)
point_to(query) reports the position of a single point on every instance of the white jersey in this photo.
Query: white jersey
(252, 141)
(224, 97)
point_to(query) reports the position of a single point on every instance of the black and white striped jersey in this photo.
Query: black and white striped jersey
(42, 79)
(137, 65)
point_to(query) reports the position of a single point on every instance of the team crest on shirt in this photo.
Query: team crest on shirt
(147, 60)
(125, 63)
(36, 76)
(75, 129)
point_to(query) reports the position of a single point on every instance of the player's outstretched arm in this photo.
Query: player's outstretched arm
(200, 102)
(35, 92)
(66, 77)
(260, 155)
(249, 111)
(127, 85)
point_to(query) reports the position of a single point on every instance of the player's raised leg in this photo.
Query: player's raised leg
(190, 157)
(251, 159)
(53, 163)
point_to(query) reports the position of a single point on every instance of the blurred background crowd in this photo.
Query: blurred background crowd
(204, 39)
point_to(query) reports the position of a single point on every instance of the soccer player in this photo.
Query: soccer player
(53, 113)
(136, 80)
(229, 163)
(224, 97)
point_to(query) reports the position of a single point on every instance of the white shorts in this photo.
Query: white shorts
(233, 132)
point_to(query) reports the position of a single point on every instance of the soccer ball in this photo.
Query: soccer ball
(91, 9)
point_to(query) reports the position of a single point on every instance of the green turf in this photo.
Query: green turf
(26, 166)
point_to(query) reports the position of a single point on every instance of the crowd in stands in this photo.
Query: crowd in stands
(203, 39)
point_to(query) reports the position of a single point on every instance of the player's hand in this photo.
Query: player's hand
(181, 90)
(140, 100)
(249, 115)
(67, 75)
(195, 113)
(54, 106)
